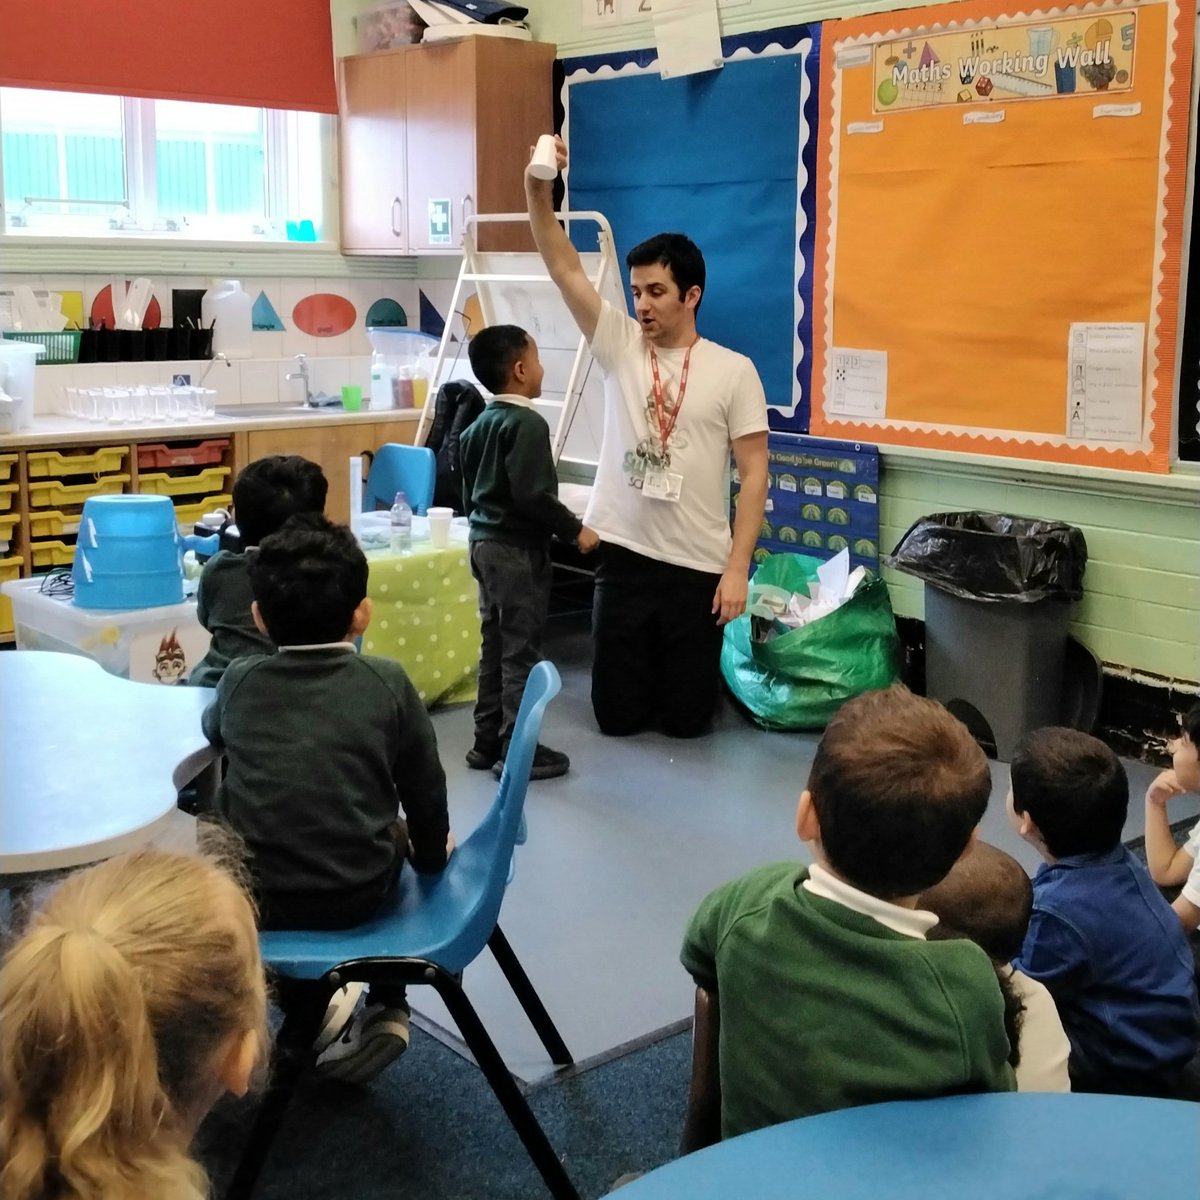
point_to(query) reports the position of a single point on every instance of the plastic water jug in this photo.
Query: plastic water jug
(231, 309)
(17, 362)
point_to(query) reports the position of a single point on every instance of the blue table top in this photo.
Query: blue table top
(90, 764)
(1002, 1147)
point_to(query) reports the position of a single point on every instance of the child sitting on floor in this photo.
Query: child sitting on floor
(1102, 938)
(829, 993)
(988, 898)
(266, 493)
(134, 1000)
(324, 748)
(1171, 866)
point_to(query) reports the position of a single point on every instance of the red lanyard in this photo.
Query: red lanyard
(666, 429)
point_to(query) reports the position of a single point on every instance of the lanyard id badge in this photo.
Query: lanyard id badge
(662, 485)
(658, 482)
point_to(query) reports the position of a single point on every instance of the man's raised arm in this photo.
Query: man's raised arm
(561, 258)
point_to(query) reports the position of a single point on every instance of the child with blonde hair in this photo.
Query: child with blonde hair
(133, 1001)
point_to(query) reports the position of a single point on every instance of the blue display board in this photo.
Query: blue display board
(823, 497)
(726, 157)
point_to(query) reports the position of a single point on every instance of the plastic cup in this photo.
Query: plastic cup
(351, 397)
(544, 163)
(439, 527)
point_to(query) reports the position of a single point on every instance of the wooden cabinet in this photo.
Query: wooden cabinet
(371, 154)
(332, 446)
(462, 119)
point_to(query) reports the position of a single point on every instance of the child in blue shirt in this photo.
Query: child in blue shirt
(1102, 938)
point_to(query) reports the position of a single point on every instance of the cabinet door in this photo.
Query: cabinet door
(332, 446)
(440, 119)
(514, 100)
(371, 149)
(404, 432)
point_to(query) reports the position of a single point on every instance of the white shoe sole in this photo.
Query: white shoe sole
(338, 1015)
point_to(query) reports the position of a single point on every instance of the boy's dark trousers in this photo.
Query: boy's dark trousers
(514, 601)
(339, 910)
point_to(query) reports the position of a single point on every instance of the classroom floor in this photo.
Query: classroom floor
(623, 848)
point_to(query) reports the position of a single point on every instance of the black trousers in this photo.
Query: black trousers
(657, 660)
(514, 600)
(332, 910)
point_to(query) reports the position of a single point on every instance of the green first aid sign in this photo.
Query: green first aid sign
(439, 222)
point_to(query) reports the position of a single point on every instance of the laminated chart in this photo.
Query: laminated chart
(1000, 195)
(822, 497)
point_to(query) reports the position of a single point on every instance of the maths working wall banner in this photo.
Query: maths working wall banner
(1000, 198)
(726, 157)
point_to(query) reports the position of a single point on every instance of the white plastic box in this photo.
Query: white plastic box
(149, 645)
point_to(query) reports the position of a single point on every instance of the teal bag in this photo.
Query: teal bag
(801, 678)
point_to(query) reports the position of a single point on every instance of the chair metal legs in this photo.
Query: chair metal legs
(501, 1081)
(302, 1021)
(531, 1002)
(291, 1057)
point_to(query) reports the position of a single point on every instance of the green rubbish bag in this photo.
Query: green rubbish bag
(800, 679)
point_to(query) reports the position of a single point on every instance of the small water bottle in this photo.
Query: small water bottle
(401, 525)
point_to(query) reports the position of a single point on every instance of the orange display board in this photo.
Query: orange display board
(1000, 207)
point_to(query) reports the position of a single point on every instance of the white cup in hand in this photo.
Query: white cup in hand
(439, 526)
(544, 163)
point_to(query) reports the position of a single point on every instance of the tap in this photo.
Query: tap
(301, 373)
(212, 362)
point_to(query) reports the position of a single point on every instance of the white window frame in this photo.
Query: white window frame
(285, 188)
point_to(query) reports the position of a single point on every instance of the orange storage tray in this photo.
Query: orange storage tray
(195, 454)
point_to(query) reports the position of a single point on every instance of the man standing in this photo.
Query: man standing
(669, 575)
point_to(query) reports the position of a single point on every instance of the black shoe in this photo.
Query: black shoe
(483, 756)
(547, 764)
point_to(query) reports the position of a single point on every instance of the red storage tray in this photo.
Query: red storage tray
(198, 454)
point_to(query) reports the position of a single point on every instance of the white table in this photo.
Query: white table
(90, 764)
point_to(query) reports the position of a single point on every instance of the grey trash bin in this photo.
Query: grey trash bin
(997, 603)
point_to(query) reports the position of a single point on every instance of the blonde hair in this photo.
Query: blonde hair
(114, 1007)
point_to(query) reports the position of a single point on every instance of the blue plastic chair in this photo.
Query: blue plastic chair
(432, 929)
(399, 468)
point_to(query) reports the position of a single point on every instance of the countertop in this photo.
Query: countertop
(52, 429)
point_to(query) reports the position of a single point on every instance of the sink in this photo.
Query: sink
(273, 410)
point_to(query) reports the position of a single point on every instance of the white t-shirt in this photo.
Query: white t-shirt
(1191, 887)
(723, 400)
(1045, 1047)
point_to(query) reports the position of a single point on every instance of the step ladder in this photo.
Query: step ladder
(514, 288)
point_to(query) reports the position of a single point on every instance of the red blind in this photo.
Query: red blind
(268, 55)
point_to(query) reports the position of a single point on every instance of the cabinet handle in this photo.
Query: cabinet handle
(463, 212)
(397, 208)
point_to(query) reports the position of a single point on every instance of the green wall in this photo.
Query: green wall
(1141, 611)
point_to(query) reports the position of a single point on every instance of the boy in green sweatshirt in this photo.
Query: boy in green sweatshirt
(324, 747)
(510, 494)
(828, 993)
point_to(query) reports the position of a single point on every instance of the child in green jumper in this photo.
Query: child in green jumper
(829, 994)
(325, 746)
(510, 494)
(265, 494)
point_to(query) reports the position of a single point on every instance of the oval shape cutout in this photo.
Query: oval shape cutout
(324, 315)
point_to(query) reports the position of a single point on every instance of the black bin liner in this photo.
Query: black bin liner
(993, 557)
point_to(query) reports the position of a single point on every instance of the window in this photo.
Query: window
(87, 165)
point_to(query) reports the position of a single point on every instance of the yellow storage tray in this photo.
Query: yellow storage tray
(44, 464)
(53, 493)
(160, 484)
(188, 514)
(8, 493)
(50, 554)
(49, 522)
(10, 568)
(8, 463)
